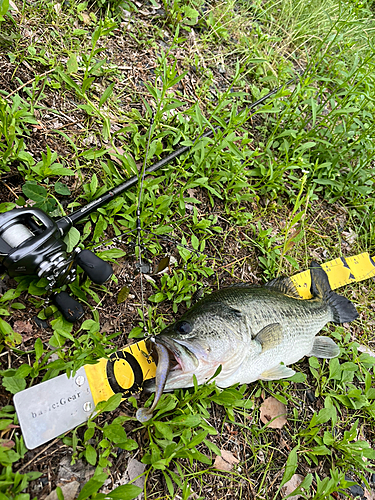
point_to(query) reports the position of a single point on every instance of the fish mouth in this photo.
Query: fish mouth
(187, 359)
(181, 354)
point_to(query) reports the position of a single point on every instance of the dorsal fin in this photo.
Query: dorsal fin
(284, 285)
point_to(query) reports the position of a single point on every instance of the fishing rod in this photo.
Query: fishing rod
(31, 242)
(65, 223)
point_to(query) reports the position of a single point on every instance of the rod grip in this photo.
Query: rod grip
(97, 269)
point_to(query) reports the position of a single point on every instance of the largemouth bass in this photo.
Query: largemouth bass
(253, 332)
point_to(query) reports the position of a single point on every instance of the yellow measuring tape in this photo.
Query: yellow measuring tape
(340, 272)
(126, 370)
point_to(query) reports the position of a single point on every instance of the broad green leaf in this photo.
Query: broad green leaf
(313, 110)
(58, 169)
(72, 239)
(70, 82)
(14, 384)
(93, 184)
(111, 404)
(62, 189)
(80, 32)
(33, 191)
(90, 454)
(5, 327)
(10, 294)
(172, 105)
(4, 6)
(92, 154)
(91, 325)
(106, 94)
(72, 64)
(91, 487)
(125, 492)
(197, 439)
(212, 447)
(114, 253)
(158, 297)
(116, 433)
(23, 371)
(164, 429)
(64, 334)
(38, 346)
(4, 423)
(99, 228)
(194, 242)
(86, 84)
(4, 207)
(291, 466)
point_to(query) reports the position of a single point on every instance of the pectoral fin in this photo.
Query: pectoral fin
(324, 347)
(278, 372)
(270, 336)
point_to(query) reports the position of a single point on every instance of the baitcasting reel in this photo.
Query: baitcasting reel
(31, 244)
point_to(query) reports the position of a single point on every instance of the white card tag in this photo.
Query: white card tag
(54, 407)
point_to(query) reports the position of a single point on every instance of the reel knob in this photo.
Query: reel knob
(96, 269)
(69, 307)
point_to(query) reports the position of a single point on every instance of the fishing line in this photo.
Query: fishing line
(66, 222)
(139, 224)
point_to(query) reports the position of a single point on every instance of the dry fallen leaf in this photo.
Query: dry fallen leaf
(226, 461)
(13, 6)
(115, 153)
(86, 19)
(272, 412)
(369, 495)
(349, 236)
(134, 470)
(22, 327)
(163, 264)
(291, 485)
(80, 470)
(69, 491)
(57, 8)
(7, 443)
(363, 348)
(123, 294)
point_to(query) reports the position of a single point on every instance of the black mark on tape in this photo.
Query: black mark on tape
(135, 366)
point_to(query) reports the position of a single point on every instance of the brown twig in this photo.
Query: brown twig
(28, 82)
(38, 454)
(10, 189)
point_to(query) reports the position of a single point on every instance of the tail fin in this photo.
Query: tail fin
(343, 310)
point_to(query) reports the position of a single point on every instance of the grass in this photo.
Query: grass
(83, 86)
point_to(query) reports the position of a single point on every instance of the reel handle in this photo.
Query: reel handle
(98, 270)
(69, 307)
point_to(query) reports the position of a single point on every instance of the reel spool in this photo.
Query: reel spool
(31, 244)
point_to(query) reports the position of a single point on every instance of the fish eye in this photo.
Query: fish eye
(183, 327)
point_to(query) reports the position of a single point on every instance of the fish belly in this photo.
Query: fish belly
(297, 342)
